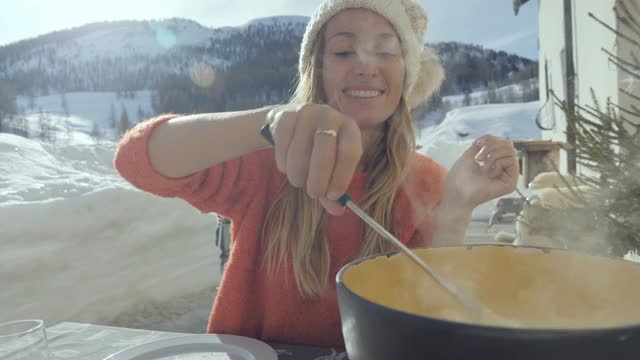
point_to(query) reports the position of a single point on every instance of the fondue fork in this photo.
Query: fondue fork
(466, 299)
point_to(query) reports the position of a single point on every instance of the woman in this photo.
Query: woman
(347, 129)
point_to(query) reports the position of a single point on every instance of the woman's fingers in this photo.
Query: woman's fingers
(332, 207)
(490, 144)
(499, 153)
(349, 152)
(282, 126)
(299, 152)
(323, 157)
(318, 148)
(506, 164)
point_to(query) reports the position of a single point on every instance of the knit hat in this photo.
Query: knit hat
(423, 72)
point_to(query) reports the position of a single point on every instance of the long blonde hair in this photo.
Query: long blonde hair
(296, 221)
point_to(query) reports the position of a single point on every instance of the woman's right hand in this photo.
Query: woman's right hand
(318, 148)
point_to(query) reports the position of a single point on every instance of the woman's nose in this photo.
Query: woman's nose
(366, 63)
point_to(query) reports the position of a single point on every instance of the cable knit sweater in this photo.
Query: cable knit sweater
(249, 301)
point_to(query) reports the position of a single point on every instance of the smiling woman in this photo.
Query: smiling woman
(347, 128)
(363, 73)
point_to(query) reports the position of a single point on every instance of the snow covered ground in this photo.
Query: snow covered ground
(80, 244)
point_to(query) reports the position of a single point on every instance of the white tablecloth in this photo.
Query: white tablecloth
(78, 341)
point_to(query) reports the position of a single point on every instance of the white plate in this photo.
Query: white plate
(199, 347)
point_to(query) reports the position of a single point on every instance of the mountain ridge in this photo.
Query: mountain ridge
(259, 56)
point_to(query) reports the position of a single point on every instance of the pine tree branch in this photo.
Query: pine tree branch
(624, 21)
(597, 153)
(608, 150)
(624, 69)
(628, 18)
(578, 124)
(635, 58)
(619, 60)
(629, 94)
(595, 100)
(628, 112)
(633, 41)
(600, 115)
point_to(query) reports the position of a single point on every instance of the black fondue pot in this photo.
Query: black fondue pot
(549, 305)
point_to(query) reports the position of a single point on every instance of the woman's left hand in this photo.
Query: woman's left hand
(485, 171)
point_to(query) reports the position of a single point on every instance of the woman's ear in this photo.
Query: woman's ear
(430, 78)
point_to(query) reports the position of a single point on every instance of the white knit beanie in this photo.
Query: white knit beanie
(423, 72)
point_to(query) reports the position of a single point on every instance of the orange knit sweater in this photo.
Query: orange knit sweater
(249, 302)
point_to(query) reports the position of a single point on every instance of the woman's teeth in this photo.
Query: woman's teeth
(364, 93)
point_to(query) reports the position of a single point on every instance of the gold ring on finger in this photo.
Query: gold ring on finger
(329, 132)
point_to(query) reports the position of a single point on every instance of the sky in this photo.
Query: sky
(490, 23)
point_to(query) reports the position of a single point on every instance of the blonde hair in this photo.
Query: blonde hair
(296, 221)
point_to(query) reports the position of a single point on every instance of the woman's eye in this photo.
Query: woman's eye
(386, 55)
(344, 54)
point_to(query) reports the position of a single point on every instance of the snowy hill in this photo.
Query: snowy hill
(473, 68)
(133, 39)
(133, 55)
(137, 55)
(276, 20)
(511, 121)
(121, 39)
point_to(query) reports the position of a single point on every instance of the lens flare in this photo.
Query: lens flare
(165, 37)
(203, 75)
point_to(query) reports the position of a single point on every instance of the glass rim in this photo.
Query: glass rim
(38, 324)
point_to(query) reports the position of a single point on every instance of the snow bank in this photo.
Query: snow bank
(80, 244)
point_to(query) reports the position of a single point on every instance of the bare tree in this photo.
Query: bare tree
(21, 125)
(466, 101)
(96, 132)
(509, 95)
(45, 123)
(112, 116)
(124, 124)
(44, 127)
(68, 126)
(17, 124)
(529, 90)
(492, 94)
(64, 104)
(31, 98)
(8, 105)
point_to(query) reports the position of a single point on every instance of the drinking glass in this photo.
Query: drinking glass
(22, 340)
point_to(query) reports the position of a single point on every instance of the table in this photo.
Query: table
(77, 341)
